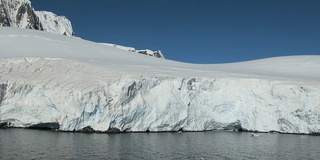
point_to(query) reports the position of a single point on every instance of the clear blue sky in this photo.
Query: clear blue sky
(198, 31)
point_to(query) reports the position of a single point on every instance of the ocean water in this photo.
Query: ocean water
(38, 144)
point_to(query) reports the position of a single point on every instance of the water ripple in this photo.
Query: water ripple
(35, 144)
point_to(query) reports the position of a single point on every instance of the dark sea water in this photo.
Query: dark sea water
(38, 144)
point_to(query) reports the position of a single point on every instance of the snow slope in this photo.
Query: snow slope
(47, 78)
(19, 13)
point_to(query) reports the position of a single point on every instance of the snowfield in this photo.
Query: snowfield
(47, 79)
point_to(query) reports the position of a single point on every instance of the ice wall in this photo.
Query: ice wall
(156, 103)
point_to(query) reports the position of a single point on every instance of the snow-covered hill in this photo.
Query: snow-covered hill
(19, 13)
(69, 83)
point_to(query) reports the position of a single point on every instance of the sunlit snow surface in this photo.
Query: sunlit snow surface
(47, 77)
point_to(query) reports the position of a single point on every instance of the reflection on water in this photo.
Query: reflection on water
(37, 144)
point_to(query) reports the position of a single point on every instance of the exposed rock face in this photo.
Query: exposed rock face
(45, 126)
(113, 130)
(3, 125)
(87, 129)
(19, 13)
(158, 54)
(53, 23)
(3, 88)
(147, 52)
(4, 21)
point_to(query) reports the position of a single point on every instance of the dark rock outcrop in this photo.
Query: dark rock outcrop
(4, 125)
(87, 129)
(113, 130)
(3, 88)
(19, 13)
(4, 21)
(45, 126)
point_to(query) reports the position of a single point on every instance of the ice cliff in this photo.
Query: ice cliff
(83, 84)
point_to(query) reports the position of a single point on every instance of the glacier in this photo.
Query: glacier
(47, 78)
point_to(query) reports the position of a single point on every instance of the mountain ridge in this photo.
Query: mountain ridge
(20, 13)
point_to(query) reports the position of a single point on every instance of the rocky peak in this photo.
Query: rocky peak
(53, 23)
(148, 52)
(19, 13)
